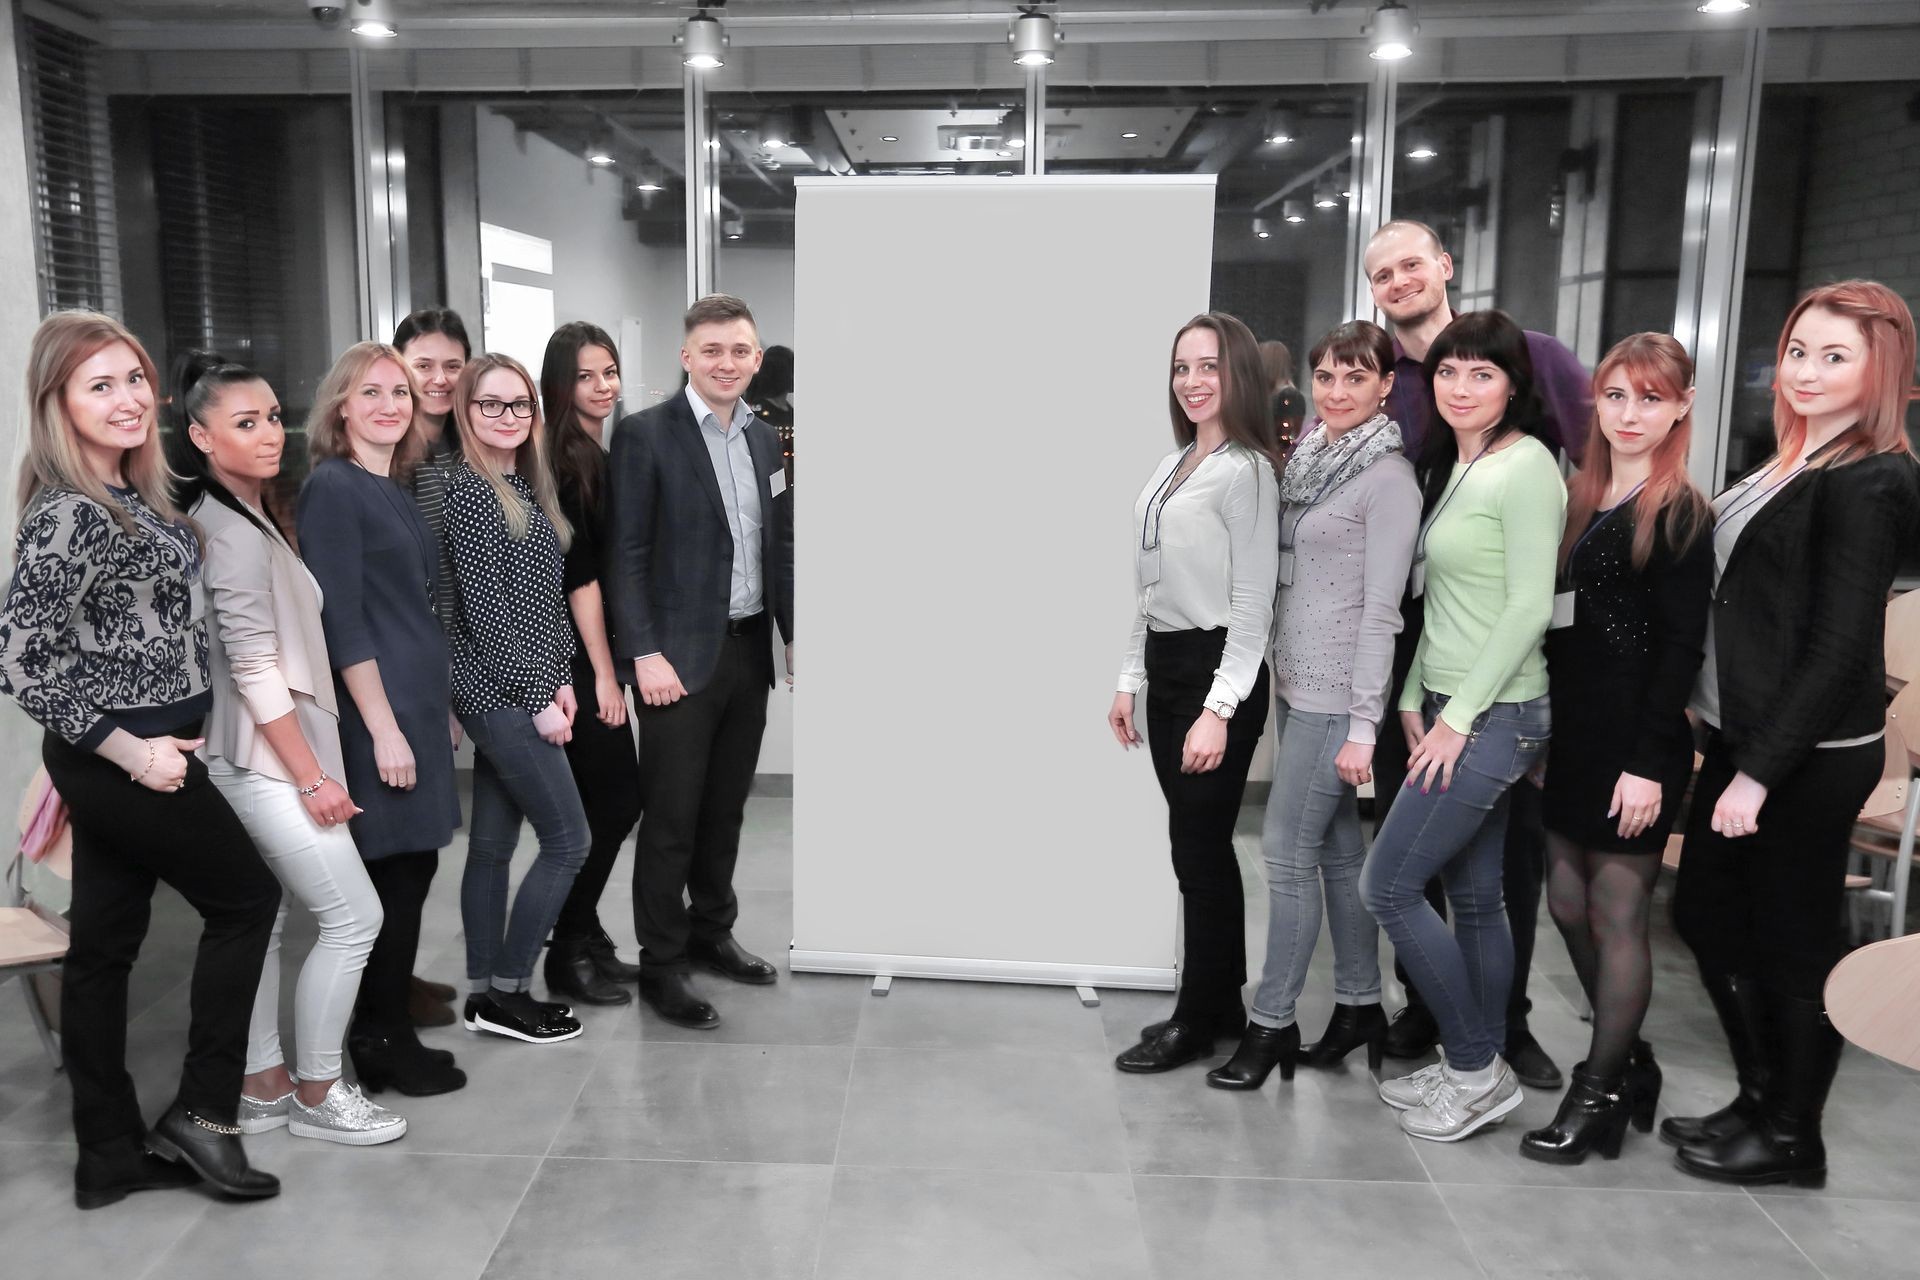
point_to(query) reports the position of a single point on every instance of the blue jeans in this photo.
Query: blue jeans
(1312, 836)
(516, 773)
(1460, 835)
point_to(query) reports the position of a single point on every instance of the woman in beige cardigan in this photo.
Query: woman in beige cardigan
(273, 750)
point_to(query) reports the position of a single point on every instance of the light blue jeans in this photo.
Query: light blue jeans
(1460, 835)
(1312, 839)
(516, 772)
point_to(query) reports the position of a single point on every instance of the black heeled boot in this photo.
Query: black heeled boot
(607, 961)
(1743, 1016)
(572, 973)
(1593, 1116)
(1643, 1084)
(1261, 1050)
(212, 1150)
(1781, 1143)
(1351, 1026)
(108, 1172)
(402, 1063)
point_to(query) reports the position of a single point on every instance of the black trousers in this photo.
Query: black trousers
(1201, 811)
(1770, 905)
(695, 773)
(1522, 875)
(126, 839)
(402, 881)
(606, 770)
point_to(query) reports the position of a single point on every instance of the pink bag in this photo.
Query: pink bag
(43, 818)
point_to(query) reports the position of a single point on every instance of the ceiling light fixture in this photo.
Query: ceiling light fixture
(1422, 149)
(1293, 210)
(1016, 142)
(1279, 129)
(1129, 135)
(375, 30)
(1391, 32)
(889, 137)
(1261, 229)
(1033, 37)
(703, 42)
(1325, 198)
(734, 228)
(1724, 6)
(650, 180)
(600, 158)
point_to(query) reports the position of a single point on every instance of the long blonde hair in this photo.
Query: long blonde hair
(64, 341)
(327, 425)
(530, 459)
(1886, 326)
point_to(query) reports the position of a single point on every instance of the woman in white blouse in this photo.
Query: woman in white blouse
(1206, 557)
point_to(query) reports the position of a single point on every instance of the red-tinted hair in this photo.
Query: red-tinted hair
(1650, 362)
(1886, 328)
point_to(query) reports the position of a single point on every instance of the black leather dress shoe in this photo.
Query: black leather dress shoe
(108, 1173)
(729, 959)
(670, 994)
(572, 972)
(1530, 1062)
(1174, 1045)
(608, 962)
(212, 1150)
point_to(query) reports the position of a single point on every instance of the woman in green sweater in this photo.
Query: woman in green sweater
(1474, 710)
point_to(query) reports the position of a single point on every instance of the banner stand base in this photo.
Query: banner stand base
(1044, 973)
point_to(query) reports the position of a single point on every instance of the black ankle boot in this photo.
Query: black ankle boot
(607, 961)
(1261, 1050)
(1412, 1033)
(1592, 1117)
(572, 973)
(402, 1063)
(1351, 1026)
(1781, 1143)
(211, 1149)
(1643, 1084)
(1743, 1017)
(108, 1172)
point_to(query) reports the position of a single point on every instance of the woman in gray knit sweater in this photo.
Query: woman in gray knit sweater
(1350, 512)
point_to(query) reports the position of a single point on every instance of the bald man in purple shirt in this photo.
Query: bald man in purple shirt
(1408, 269)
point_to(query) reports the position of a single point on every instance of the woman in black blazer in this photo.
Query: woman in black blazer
(1792, 696)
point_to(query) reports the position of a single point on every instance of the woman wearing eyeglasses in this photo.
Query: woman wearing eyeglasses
(512, 688)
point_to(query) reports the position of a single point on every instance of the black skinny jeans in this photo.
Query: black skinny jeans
(1201, 811)
(1770, 905)
(127, 838)
(606, 769)
(402, 881)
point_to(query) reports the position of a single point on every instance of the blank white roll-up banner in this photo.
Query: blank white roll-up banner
(982, 368)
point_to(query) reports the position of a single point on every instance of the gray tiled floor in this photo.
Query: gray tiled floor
(947, 1132)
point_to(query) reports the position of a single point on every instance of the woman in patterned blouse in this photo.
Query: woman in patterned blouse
(512, 689)
(103, 641)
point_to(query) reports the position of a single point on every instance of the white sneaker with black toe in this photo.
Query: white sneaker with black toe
(1408, 1092)
(1459, 1108)
(518, 1016)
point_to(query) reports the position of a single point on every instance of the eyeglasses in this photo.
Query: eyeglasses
(494, 408)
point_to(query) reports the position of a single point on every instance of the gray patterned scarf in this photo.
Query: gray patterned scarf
(1318, 466)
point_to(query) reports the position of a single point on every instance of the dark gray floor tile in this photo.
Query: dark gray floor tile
(884, 1224)
(779, 1104)
(1852, 1239)
(929, 1014)
(666, 1220)
(1257, 1227)
(983, 1109)
(517, 1095)
(1524, 1233)
(355, 1212)
(803, 1008)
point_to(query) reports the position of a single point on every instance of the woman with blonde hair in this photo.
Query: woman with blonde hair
(375, 561)
(1635, 574)
(1793, 697)
(103, 641)
(512, 687)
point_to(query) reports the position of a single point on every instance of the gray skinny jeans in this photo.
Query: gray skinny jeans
(1312, 838)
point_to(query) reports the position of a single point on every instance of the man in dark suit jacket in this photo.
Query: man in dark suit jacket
(700, 563)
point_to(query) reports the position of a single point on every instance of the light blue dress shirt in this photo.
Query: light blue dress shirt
(740, 495)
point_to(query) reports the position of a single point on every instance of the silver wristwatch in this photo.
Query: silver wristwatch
(1222, 708)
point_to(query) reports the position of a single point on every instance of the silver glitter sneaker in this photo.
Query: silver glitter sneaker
(1416, 1090)
(345, 1116)
(1457, 1109)
(258, 1117)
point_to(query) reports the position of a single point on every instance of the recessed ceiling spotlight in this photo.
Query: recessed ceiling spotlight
(889, 137)
(1391, 32)
(1261, 229)
(600, 158)
(1325, 198)
(1293, 210)
(734, 228)
(1130, 134)
(1422, 151)
(1016, 143)
(1279, 129)
(375, 30)
(1724, 6)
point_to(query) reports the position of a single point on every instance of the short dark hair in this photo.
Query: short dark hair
(1479, 335)
(432, 320)
(719, 308)
(1360, 343)
(775, 377)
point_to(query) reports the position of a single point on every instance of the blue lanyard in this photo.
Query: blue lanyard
(1595, 526)
(1156, 516)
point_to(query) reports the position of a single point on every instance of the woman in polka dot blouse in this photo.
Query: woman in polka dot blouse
(512, 652)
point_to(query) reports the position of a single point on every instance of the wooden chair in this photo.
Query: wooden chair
(1903, 640)
(31, 942)
(1885, 830)
(1873, 997)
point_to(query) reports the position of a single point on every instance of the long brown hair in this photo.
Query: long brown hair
(530, 459)
(1886, 326)
(64, 341)
(1245, 412)
(579, 461)
(1669, 502)
(327, 424)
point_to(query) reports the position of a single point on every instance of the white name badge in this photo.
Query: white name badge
(1419, 582)
(1562, 611)
(779, 482)
(1149, 567)
(1286, 568)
